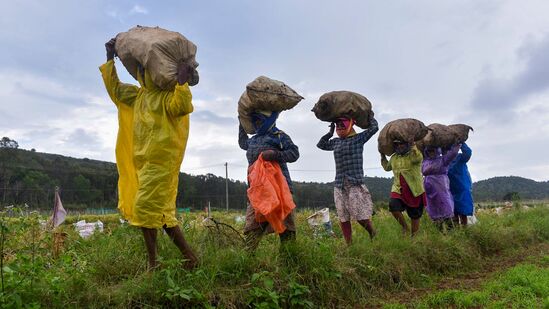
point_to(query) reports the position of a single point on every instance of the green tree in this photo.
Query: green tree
(6, 142)
(84, 192)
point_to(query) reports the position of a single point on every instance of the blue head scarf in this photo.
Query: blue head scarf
(263, 123)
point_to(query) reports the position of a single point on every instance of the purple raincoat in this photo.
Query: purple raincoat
(440, 203)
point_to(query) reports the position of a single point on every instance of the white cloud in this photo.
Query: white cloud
(422, 59)
(138, 9)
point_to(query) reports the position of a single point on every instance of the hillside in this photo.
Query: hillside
(30, 177)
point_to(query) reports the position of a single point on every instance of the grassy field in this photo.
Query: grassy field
(509, 253)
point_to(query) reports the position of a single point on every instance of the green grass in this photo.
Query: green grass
(523, 286)
(108, 269)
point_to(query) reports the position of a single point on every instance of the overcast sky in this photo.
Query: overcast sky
(484, 63)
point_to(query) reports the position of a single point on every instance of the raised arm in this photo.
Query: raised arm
(386, 164)
(370, 131)
(449, 156)
(242, 138)
(120, 93)
(325, 142)
(415, 155)
(180, 102)
(466, 153)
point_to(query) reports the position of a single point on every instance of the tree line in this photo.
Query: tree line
(31, 177)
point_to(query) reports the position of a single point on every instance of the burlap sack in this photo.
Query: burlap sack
(158, 50)
(400, 129)
(335, 104)
(462, 131)
(245, 109)
(439, 135)
(272, 95)
(265, 94)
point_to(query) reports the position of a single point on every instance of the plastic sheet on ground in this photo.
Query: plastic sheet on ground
(320, 223)
(86, 229)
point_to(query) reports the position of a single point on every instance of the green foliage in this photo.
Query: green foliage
(6, 142)
(523, 286)
(109, 269)
(262, 294)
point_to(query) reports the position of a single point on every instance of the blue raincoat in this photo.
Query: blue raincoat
(461, 183)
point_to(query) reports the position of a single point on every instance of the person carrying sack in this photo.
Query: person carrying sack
(407, 192)
(461, 185)
(152, 137)
(351, 196)
(440, 203)
(273, 145)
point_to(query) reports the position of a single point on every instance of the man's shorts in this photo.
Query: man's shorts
(396, 204)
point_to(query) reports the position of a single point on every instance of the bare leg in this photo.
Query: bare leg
(449, 224)
(463, 220)
(456, 220)
(347, 231)
(286, 236)
(252, 239)
(415, 226)
(367, 224)
(150, 243)
(400, 218)
(179, 240)
(440, 225)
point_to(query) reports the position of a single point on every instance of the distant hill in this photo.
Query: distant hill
(497, 188)
(30, 177)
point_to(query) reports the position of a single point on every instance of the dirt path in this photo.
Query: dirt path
(470, 281)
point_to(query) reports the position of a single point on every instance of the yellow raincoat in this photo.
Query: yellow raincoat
(152, 136)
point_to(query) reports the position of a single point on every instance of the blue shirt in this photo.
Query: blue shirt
(277, 140)
(348, 153)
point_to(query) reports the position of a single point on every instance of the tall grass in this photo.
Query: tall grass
(109, 269)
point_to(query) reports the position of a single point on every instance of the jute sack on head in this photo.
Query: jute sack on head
(400, 129)
(265, 94)
(158, 50)
(439, 135)
(462, 131)
(245, 109)
(336, 104)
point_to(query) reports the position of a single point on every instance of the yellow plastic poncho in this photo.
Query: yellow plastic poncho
(152, 136)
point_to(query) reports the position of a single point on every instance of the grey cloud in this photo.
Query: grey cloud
(498, 94)
(84, 139)
(211, 117)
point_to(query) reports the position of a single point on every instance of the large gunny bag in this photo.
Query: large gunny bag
(336, 104)
(439, 135)
(462, 131)
(400, 129)
(158, 50)
(265, 94)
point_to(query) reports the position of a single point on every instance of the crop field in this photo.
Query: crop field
(500, 262)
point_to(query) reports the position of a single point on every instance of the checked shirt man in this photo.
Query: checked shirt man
(352, 199)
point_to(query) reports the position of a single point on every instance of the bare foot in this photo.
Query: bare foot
(373, 234)
(191, 263)
(152, 267)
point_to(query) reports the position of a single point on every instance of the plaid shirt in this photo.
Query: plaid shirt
(287, 151)
(348, 154)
